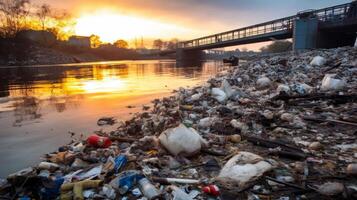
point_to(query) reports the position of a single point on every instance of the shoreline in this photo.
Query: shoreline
(80, 105)
(83, 64)
(15, 54)
(231, 112)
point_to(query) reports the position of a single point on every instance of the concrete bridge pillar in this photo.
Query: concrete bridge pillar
(189, 57)
(305, 33)
(308, 35)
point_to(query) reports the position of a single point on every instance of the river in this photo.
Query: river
(40, 105)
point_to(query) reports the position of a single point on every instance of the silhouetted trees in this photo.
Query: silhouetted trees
(95, 41)
(13, 16)
(167, 45)
(121, 44)
(64, 24)
(158, 44)
(170, 45)
(277, 47)
(18, 15)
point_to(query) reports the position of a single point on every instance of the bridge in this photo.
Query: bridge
(323, 28)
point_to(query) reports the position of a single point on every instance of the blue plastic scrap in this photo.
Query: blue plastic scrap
(120, 162)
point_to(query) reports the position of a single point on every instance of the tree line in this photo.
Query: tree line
(277, 46)
(18, 15)
(165, 45)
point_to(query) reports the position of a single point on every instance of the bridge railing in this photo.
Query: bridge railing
(335, 13)
(259, 29)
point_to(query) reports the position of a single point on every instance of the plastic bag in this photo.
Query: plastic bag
(243, 168)
(181, 140)
(330, 83)
(227, 88)
(219, 95)
(318, 61)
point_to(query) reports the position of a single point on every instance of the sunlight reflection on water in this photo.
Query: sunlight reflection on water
(39, 105)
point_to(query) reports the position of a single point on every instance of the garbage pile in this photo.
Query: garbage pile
(275, 128)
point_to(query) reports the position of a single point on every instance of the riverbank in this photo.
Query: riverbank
(288, 122)
(43, 56)
(15, 52)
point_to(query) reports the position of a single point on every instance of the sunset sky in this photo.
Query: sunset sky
(183, 19)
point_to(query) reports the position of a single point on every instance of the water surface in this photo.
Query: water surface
(40, 105)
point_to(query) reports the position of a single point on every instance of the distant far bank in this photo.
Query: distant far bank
(22, 52)
(30, 51)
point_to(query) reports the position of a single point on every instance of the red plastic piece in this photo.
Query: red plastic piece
(211, 190)
(98, 141)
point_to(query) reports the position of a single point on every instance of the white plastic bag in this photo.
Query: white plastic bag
(219, 95)
(318, 61)
(330, 83)
(243, 168)
(182, 140)
(227, 88)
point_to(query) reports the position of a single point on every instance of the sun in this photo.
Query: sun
(111, 26)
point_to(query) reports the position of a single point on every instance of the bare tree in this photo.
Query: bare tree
(13, 15)
(43, 14)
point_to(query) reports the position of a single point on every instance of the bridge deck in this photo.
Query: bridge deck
(277, 29)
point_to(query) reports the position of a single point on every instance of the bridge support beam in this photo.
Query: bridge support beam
(189, 57)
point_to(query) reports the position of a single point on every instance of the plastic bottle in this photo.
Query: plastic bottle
(148, 189)
(98, 141)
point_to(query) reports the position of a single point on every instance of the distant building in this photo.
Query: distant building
(42, 37)
(80, 41)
